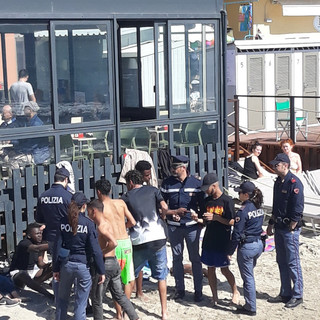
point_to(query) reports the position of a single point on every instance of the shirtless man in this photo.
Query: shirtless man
(108, 244)
(115, 212)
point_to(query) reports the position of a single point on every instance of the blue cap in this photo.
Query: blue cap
(63, 172)
(246, 187)
(80, 199)
(281, 157)
(179, 159)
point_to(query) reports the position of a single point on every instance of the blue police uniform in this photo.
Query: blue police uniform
(74, 264)
(185, 194)
(51, 208)
(247, 236)
(288, 205)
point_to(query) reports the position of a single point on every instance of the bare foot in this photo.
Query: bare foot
(143, 298)
(236, 298)
(165, 316)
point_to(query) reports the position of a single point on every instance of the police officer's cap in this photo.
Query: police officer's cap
(179, 160)
(280, 157)
(63, 172)
(246, 187)
(80, 199)
(208, 180)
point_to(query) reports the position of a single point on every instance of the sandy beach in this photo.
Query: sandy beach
(267, 284)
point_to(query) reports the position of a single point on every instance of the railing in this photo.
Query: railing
(238, 109)
(19, 193)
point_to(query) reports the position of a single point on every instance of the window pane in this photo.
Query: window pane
(195, 133)
(129, 68)
(26, 53)
(19, 153)
(147, 66)
(83, 146)
(193, 72)
(82, 72)
(162, 72)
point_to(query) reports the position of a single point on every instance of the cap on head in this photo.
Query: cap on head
(179, 160)
(32, 105)
(63, 172)
(246, 187)
(280, 157)
(208, 180)
(80, 199)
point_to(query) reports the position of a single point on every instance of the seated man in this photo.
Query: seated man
(27, 266)
(39, 147)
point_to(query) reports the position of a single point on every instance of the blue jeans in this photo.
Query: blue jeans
(191, 235)
(288, 259)
(113, 280)
(247, 256)
(78, 273)
(6, 285)
(157, 261)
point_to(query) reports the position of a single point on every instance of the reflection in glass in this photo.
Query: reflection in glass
(162, 72)
(192, 54)
(86, 146)
(195, 133)
(82, 72)
(19, 153)
(26, 48)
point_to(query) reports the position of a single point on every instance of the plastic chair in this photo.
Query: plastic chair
(99, 146)
(192, 135)
(127, 138)
(283, 121)
(142, 140)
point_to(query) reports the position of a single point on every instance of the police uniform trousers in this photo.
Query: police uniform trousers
(78, 273)
(288, 259)
(247, 256)
(191, 234)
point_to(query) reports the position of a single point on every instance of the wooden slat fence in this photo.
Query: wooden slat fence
(19, 194)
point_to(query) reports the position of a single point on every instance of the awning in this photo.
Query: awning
(300, 7)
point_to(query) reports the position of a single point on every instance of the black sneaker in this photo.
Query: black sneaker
(198, 297)
(243, 310)
(179, 294)
(278, 299)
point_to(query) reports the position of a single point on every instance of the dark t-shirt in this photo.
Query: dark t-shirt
(22, 259)
(217, 235)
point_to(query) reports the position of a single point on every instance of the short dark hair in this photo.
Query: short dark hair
(31, 226)
(135, 176)
(143, 165)
(96, 203)
(104, 186)
(23, 73)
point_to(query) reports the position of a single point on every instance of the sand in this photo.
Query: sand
(267, 284)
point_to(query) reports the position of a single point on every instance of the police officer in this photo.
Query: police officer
(286, 221)
(53, 205)
(183, 194)
(247, 237)
(76, 244)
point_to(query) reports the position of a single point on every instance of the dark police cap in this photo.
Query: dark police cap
(179, 159)
(208, 180)
(63, 172)
(80, 199)
(246, 187)
(280, 157)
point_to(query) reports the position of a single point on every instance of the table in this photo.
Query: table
(160, 131)
(81, 140)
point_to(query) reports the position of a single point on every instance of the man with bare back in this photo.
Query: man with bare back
(115, 212)
(108, 244)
